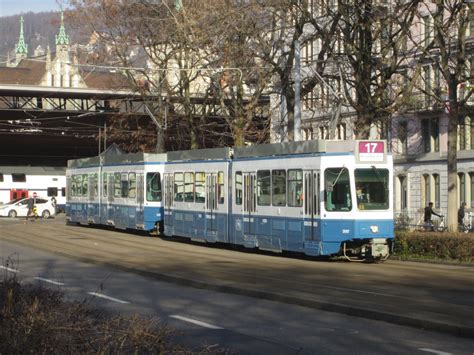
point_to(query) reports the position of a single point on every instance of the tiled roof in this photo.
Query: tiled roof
(105, 80)
(28, 72)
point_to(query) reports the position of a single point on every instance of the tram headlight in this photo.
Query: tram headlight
(374, 229)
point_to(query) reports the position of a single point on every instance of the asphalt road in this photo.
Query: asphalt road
(428, 296)
(238, 323)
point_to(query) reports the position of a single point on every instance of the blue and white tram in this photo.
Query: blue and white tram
(318, 199)
(315, 197)
(122, 190)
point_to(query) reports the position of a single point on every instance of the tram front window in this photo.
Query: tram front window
(337, 192)
(153, 187)
(372, 188)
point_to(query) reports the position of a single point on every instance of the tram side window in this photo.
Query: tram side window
(104, 184)
(178, 187)
(153, 187)
(124, 185)
(238, 188)
(95, 187)
(295, 188)
(85, 184)
(263, 188)
(279, 187)
(220, 187)
(200, 187)
(132, 185)
(337, 189)
(52, 191)
(76, 185)
(189, 187)
(63, 192)
(117, 186)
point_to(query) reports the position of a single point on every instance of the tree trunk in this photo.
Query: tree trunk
(290, 109)
(453, 113)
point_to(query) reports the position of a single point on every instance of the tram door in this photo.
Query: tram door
(211, 202)
(168, 201)
(140, 198)
(311, 206)
(250, 201)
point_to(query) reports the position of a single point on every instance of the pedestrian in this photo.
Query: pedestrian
(53, 203)
(31, 206)
(428, 213)
(461, 214)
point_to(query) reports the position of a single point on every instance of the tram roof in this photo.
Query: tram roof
(200, 154)
(114, 155)
(301, 147)
(33, 170)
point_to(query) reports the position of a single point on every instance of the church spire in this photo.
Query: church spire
(21, 48)
(62, 38)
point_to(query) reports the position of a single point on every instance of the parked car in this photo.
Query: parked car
(19, 208)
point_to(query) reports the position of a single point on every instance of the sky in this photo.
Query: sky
(14, 7)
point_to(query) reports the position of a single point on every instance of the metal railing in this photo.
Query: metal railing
(412, 220)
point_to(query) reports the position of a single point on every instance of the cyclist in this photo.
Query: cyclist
(427, 217)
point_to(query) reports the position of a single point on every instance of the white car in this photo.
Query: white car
(19, 208)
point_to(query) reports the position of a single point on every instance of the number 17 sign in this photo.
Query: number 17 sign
(371, 151)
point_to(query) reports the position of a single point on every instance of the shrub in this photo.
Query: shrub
(433, 245)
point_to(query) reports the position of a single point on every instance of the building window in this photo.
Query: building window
(341, 131)
(403, 192)
(430, 135)
(471, 177)
(437, 191)
(403, 137)
(462, 187)
(465, 133)
(427, 85)
(426, 190)
(324, 132)
(427, 29)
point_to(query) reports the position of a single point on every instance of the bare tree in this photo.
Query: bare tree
(374, 37)
(446, 48)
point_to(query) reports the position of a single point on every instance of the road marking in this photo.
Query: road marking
(202, 324)
(50, 281)
(100, 295)
(8, 269)
(434, 351)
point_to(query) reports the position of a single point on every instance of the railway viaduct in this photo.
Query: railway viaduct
(49, 125)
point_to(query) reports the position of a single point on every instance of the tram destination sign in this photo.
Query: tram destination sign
(371, 151)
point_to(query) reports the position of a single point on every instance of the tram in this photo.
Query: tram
(315, 197)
